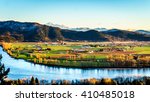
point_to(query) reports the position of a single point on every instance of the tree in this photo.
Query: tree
(37, 81)
(20, 82)
(3, 72)
(32, 82)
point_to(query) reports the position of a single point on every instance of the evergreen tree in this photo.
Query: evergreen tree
(32, 82)
(37, 81)
(3, 72)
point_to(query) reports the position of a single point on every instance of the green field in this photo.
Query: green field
(82, 55)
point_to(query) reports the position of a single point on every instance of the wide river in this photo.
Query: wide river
(22, 69)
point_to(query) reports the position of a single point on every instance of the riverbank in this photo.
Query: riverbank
(72, 55)
(79, 67)
(21, 69)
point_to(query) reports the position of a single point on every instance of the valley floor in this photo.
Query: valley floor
(83, 54)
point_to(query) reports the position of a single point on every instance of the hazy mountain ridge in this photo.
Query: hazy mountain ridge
(26, 31)
(87, 29)
(75, 29)
(143, 31)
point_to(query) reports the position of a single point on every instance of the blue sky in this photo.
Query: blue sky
(123, 14)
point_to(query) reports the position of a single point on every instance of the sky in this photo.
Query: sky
(121, 14)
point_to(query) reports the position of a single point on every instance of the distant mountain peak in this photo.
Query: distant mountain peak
(87, 29)
(56, 25)
(83, 29)
(143, 31)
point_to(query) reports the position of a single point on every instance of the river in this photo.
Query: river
(20, 69)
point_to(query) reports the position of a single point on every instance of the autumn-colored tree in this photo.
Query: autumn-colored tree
(20, 82)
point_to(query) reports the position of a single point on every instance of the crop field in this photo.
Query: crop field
(82, 54)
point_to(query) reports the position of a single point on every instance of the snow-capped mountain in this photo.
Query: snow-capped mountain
(57, 25)
(65, 27)
(80, 29)
(83, 29)
(100, 29)
(111, 30)
(143, 31)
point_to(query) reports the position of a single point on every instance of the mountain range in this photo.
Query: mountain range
(87, 29)
(75, 29)
(33, 32)
(143, 31)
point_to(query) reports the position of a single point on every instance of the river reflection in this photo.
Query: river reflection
(23, 69)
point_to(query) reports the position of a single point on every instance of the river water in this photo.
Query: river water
(22, 69)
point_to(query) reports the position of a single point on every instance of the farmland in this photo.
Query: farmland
(83, 54)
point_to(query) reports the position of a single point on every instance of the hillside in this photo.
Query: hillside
(27, 31)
